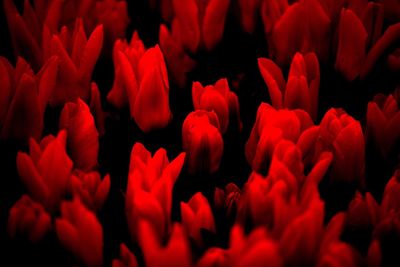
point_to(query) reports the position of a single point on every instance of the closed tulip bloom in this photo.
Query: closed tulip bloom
(202, 141)
(149, 191)
(249, 13)
(174, 252)
(141, 81)
(339, 254)
(28, 218)
(288, 31)
(80, 232)
(270, 127)
(82, 135)
(301, 90)
(343, 136)
(24, 97)
(200, 23)
(46, 170)
(126, 259)
(383, 118)
(390, 200)
(213, 257)
(227, 198)
(197, 215)
(90, 188)
(217, 98)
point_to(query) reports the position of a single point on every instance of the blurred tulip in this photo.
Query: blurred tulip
(28, 218)
(46, 170)
(24, 97)
(227, 199)
(82, 135)
(77, 57)
(175, 252)
(383, 118)
(197, 215)
(202, 141)
(91, 190)
(339, 254)
(179, 62)
(288, 31)
(301, 90)
(200, 23)
(127, 259)
(217, 98)
(343, 136)
(391, 196)
(141, 81)
(249, 10)
(80, 232)
(149, 191)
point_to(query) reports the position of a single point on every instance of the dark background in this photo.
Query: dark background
(236, 59)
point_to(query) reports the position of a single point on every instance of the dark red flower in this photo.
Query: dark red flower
(82, 135)
(249, 11)
(141, 81)
(24, 97)
(80, 232)
(383, 120)
(217, 98)
(46, 170)
(127, 259)
(77, 57)
(197, 215)
(202, 141)
(343, 136)
(200, 23)
(90, 188)
(28, 218)
(288, 32)
(301, 90)
(174, 252)
(149, 191)
(227, 199)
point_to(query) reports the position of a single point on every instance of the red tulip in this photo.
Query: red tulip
(256, 249)
(393, 61)
(227, 199)
(339, 254)
(391, 196)
(197, 215)
(46, 170)
(301, 90)
(28, 218)
(288, 31)
(96, 109)
(23, 98)
(165, 8)
(178, 60)
(141, 81)
(383, 118)
(219, 99)
(127, 259)
(82, 135)
(90, 188)
(213, 257)
(200, 23)
(270, 127)
(175, 252)
(362, 212)
(202, 141)
(343, 136)
(77, 56)
(374, 258)
(359, 28)
(149, 191)
(249, 10)
(80, 232)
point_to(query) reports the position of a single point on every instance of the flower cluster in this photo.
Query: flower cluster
(259, 132)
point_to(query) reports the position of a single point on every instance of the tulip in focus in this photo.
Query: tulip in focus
(149, 192)
(217, 98)
(141, 82)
